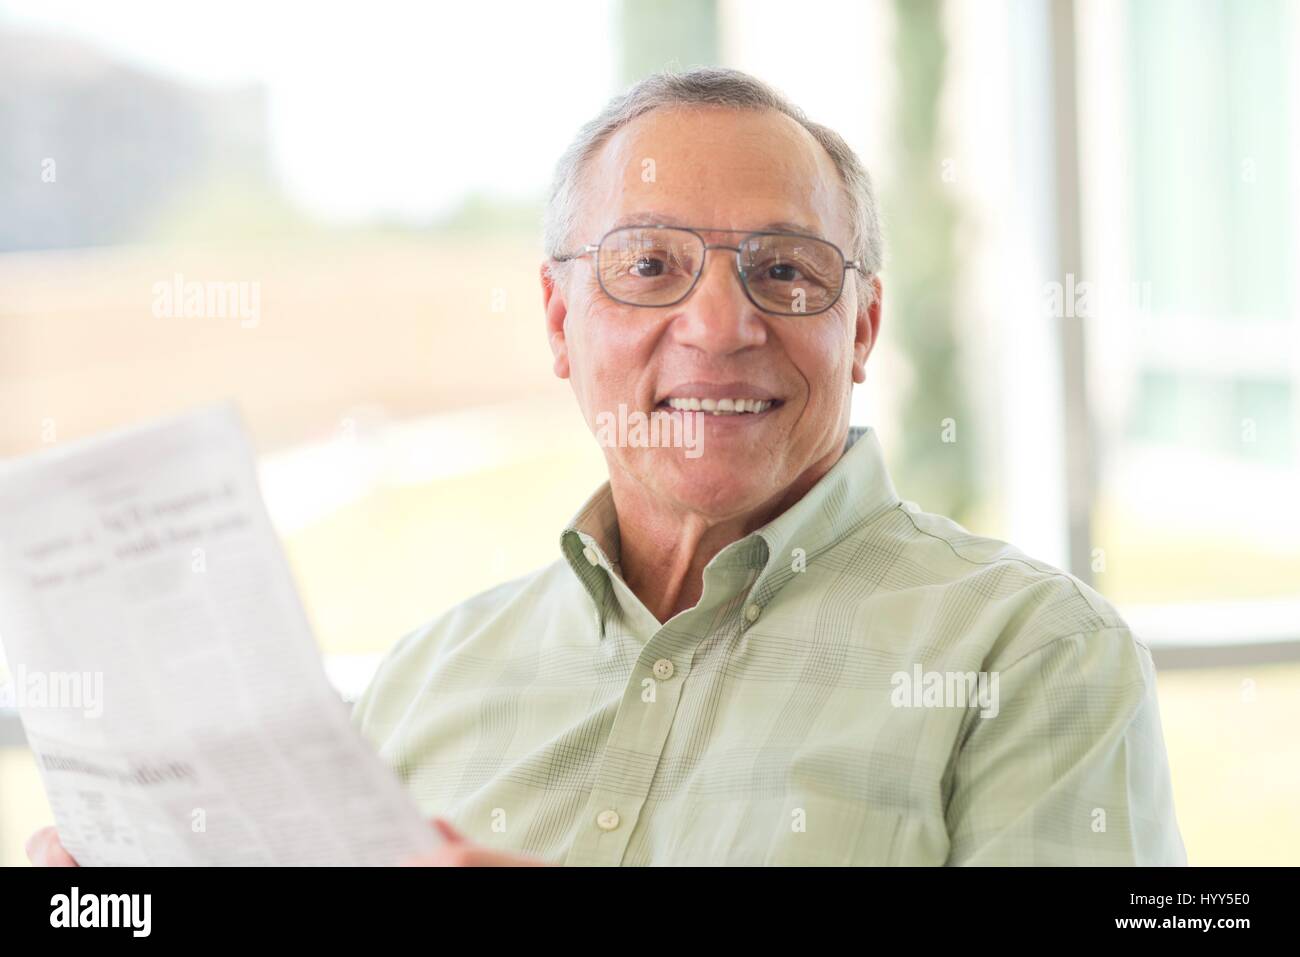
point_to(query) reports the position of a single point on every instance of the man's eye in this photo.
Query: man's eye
(647, 267)
(782, 272)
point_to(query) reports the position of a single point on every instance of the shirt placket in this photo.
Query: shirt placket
(645, 717)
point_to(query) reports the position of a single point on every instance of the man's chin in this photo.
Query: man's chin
(715, 485)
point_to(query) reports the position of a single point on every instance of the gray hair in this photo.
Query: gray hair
(708, 86)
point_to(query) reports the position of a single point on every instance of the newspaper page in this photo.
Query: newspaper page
(164, 668)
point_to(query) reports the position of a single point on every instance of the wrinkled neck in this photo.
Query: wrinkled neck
(663, 550)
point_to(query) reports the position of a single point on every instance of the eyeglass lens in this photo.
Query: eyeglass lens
(655, 266)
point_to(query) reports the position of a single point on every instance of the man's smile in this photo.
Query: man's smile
(735, 399)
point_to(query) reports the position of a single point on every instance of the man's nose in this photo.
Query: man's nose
(718, 317)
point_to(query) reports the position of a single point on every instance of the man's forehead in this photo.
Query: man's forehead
(651, 217)
(712, 167)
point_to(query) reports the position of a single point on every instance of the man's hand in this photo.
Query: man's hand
(457, 851)
(45, 850)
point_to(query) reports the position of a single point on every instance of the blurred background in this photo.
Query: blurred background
(1090, 347)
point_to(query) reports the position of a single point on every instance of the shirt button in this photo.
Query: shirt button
(607, 820)
(663, 669)
(591, 555)
(752, 612)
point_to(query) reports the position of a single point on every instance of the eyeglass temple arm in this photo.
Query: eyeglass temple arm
(577, 253)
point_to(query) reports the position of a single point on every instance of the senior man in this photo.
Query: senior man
(749, 655)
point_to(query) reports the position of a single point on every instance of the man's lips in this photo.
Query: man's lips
(719, 406)
(725, 398)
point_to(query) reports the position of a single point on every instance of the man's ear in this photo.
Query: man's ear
(866, 329)
(556, 310)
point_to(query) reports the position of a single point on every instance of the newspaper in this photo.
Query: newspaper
(164, 669)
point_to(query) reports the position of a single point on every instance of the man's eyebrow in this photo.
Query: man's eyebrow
(652, 218)
(787, 227)
(646, 219)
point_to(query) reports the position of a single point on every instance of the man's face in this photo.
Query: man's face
(727, 169)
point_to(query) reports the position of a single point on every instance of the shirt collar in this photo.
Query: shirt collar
(590, 543)
(855, 490)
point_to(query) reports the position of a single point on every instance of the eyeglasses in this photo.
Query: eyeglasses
(787, 274)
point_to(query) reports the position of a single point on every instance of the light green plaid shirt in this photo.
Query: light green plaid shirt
(808, 710)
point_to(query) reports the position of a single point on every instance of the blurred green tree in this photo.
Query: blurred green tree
(937, 441)
(666, 35)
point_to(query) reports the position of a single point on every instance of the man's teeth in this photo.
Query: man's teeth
(721, 406)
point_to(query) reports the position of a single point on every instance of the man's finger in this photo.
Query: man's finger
(44, 849)
(449, 833)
